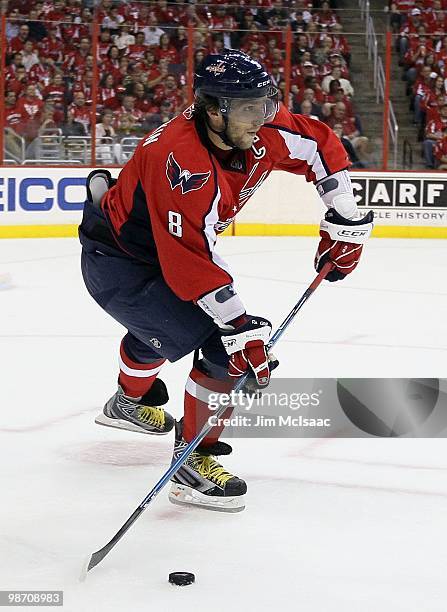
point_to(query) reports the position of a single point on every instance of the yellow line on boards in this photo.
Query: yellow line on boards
(240, 229)
(38, 231)
(380, 231)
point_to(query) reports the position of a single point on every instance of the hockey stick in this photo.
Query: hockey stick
(99, 555)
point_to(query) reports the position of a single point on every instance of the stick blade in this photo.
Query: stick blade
(84, 570)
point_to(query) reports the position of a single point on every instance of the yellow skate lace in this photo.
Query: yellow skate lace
(210, 469)
(152, 416)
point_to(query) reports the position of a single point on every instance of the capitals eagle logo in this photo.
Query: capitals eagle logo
(184, 178)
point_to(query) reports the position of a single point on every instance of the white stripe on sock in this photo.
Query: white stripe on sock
(138, 373)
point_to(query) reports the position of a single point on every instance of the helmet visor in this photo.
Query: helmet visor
(250, 110)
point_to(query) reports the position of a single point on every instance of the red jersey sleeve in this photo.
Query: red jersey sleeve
(305, 146)
(183, 198)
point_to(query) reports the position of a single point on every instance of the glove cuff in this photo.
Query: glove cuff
(223, 305)
(346, 230)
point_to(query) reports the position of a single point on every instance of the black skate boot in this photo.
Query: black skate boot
(202, 481)
(143, 415)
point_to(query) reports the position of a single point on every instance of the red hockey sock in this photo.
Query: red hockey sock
(201, 391)
(137, 378)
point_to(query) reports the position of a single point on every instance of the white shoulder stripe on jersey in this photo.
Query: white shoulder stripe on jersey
(210, 221)
(306, 150)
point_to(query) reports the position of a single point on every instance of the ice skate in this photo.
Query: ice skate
(202, 481)
(144, 415)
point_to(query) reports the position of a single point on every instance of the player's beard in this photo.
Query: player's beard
(240, 138)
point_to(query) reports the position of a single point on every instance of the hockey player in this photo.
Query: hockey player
(149, 254)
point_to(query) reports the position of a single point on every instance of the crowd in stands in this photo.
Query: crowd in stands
(421, 42)
(141, 57)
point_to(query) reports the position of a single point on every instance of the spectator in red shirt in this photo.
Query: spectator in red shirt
(58, 11)
(77, 59)
(85, 84)
(17, 43)
(189, 15)
(111, 63)
(104, 44)
(155, 72)
(350, 130)
(422, 90)
(215, 17)
(325, 16)
(166, 50)
(440, 153)
(12, 114)
(168, 90)
(74, 7)
(41, 73)
(339, 42)
(80, 111)
(30, 106)
(52, 46)
(19, 82)
(142, 102)
(103, 9)
(70, 32)
(254, 36)
(11, 69)
(336, 94)
(165, 14)
(128, 109)
(398, 13)
(430, 100)
(13, 121)
(408, 30)
(56, 91)
(136, 52)
(107, 92)
(434, 133)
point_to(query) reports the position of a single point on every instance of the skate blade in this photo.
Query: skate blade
(102, 419)
(182, 495)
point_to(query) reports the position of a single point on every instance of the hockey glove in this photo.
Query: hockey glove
(98, 183)
(246, 345)
(342, 243)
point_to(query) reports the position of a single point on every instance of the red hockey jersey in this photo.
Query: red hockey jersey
(174, 195)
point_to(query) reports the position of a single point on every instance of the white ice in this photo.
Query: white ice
(330, 525)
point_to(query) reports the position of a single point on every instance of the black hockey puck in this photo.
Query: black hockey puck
(181, 578)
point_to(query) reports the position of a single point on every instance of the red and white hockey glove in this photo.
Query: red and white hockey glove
(247, 347)
(342, 243)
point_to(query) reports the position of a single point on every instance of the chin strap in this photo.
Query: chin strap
(223, 135)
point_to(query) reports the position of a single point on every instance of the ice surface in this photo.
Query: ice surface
(330, 525)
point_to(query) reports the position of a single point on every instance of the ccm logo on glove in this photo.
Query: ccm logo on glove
(246, 345)
(342, 243)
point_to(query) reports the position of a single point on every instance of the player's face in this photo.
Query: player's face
(246, 117)
(243, 134)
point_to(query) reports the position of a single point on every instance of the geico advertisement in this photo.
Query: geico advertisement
(43, 195)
